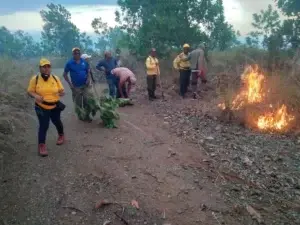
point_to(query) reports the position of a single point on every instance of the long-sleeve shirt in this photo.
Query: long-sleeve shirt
(195, 57)
(109, 65)
(179, 64)
(152, 66)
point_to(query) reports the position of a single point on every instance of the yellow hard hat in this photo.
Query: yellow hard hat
(186, 46)
(76, 48)
(44, 62)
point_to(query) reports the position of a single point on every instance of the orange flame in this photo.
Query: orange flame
(277, 120)
(253, 92)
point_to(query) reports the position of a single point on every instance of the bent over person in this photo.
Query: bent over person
(80, 84)
(47, 89)
(124, 76)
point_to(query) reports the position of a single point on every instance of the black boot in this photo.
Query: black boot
(150, 96)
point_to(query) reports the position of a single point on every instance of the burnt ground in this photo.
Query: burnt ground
(173, 156)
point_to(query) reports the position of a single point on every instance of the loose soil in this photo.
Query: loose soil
(173, 156)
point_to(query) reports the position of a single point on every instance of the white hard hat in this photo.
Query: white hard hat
(86, 56)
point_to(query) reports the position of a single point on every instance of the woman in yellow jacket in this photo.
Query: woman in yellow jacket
(47, 89)
(153, 71)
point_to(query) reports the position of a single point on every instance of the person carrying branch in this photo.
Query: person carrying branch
(79, 84)
(153, 71)
(184, 68)
(198, 67)
(124, 77)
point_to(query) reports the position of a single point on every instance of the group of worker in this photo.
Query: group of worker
(191, 65)
(47, 89)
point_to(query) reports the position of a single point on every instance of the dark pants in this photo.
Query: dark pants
(123, 89)
(44, 117)
(184, 80)
(112, 84)
(151, 85)
(81, 96)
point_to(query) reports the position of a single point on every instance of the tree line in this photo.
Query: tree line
(164, 24)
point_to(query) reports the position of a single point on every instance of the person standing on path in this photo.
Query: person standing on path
(80, 84)
(184, 68)
(87, 58)
(47, 89)
(198, 67)
(109, 63)
(123, 76)
(153, 71)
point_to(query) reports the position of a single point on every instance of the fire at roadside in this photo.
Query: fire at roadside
(254, 99)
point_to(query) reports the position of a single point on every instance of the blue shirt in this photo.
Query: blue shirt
(78, 72)
(109, 65)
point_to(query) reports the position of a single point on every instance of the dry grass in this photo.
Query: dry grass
(14, 101)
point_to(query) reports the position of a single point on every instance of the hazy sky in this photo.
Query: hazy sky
(17, 15)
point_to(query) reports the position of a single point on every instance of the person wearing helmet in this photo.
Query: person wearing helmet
(153, 71)
(184, 68)
(198, 67)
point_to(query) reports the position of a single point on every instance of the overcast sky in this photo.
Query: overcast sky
(14, 14)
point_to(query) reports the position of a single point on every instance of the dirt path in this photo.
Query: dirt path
(140, 160)
(174, 157)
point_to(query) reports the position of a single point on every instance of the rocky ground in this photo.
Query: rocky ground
(173, 157)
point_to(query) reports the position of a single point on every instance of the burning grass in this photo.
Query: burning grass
(255, 97)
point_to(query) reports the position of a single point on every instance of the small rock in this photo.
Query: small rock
(218, 128)
(247, 161)
(267, 159)
(196, 181)
(203, 207)
(179, 211)
(73, 213)
(133, 177)
(209, 138)
(254, 214)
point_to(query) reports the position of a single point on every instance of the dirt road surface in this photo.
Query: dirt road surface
(142, 160)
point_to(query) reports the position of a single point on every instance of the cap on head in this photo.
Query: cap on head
(186, 46)
(86, 56)
(76, 49)
(44, 62)
(153, 49)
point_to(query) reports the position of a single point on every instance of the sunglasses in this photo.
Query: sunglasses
(46, 66)
(76, 53)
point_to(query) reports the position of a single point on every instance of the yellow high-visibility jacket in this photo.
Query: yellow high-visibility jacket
(179, 64)
(152, 66)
